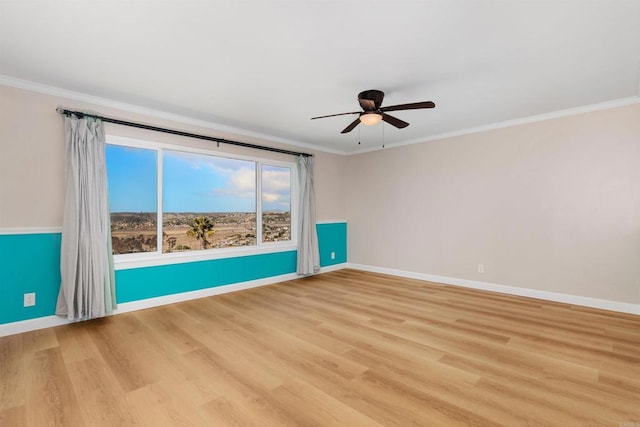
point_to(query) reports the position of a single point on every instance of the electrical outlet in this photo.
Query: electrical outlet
(333, 255)
(480, 268)
(30, 299)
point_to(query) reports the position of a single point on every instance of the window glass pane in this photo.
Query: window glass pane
(208, 202)
(131, 180)
(276, 203)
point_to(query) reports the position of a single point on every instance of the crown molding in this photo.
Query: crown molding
(616, 103)
(131, 108)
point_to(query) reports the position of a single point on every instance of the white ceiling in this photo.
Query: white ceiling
(267, 67)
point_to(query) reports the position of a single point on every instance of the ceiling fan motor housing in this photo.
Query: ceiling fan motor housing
(372, 95)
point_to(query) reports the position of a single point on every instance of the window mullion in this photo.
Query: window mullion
(294, 198)
(258, 203)
(160, 238)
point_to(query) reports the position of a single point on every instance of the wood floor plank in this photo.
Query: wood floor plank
(317, 407)
(341, 348)
(76, 343)
(440, 388)
(119, 350)
(223, 412)
(52, 399)
(101, 398)
(156, 405)
(424, 408)
(164, 323)
(235, 385)
(296, 346)
(15, 416)
(12, 374)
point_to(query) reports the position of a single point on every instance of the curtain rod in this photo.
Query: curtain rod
(80, 115)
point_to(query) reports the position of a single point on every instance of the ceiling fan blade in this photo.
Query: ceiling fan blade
(412, 106)
(394, 121)
(367, 104)
(333, 115)
(349, 128)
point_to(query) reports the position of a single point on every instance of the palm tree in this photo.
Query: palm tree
(201, 228)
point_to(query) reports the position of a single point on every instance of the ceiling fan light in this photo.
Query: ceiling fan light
(370, 119)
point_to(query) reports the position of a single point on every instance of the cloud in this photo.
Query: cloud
(241, 184)
(276, 181)
(276, 188)
(237, 178)
(243, 180)
(271, 197)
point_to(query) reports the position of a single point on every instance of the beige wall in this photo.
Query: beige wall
(552, 206)
(32, 158)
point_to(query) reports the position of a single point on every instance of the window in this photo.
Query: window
(207, 202)
(199, 202)
(132, 183)
(276, 203)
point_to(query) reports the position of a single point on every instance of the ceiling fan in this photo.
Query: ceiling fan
(373, 113)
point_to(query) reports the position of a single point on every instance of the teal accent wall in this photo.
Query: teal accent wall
(332, 237)
(28, 263)
(31, 263)
(148, 282)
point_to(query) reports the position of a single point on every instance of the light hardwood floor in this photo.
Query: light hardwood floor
(345, 348)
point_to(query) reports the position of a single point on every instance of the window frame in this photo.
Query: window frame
(157, 257)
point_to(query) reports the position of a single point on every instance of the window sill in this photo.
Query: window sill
(125, 262)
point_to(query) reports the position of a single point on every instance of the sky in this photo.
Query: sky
(191, 182)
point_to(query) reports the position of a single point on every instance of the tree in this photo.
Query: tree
(201, 228)
(171, 241)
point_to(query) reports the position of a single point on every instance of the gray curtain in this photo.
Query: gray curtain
(87, 289)
(308, 255)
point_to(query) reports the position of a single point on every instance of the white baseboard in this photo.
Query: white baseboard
(334, 267)
(51, 321)
(31, 325)
(504, 289)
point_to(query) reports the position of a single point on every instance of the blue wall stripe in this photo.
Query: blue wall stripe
(332, 238)
(148, 282)
(31, 263)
